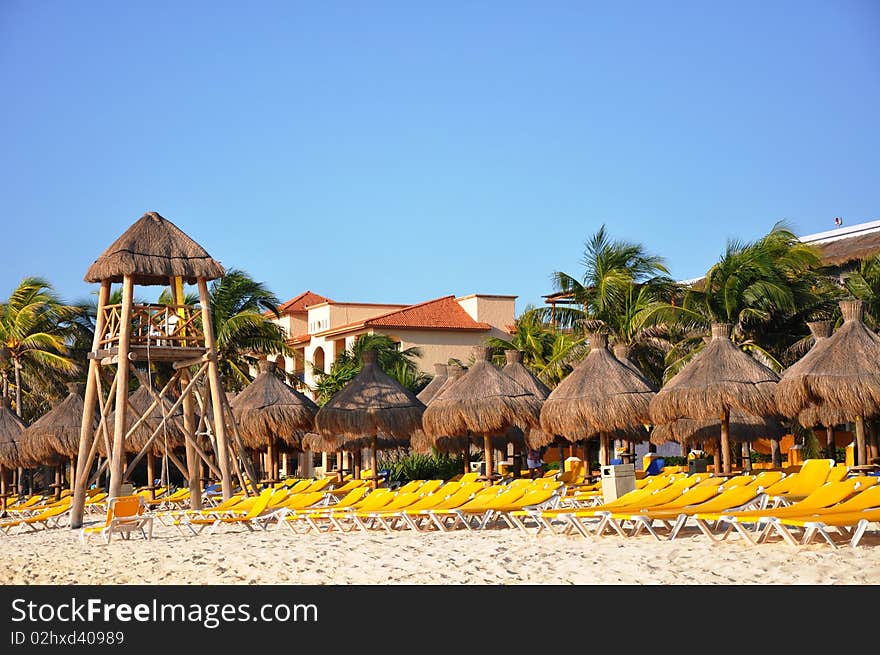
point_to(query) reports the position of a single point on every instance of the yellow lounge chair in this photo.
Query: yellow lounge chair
(259, 508)
(49, 518)
(291, 516)
(825, 496)
(850, 517)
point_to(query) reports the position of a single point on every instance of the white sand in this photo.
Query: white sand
(496, 557)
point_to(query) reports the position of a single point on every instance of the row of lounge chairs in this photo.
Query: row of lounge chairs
(819, 500)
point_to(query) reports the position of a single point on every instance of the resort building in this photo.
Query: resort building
(319, 329)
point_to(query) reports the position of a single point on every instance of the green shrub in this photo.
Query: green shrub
(437, 466)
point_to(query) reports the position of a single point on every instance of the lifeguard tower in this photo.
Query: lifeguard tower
(130, 337)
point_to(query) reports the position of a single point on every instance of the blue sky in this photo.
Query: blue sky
(397, 151)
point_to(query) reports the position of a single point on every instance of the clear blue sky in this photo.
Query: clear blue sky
(399, 151)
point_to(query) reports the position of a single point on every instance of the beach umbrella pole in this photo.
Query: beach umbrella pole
(716, 458)
(747, 457)
(860, 441)
(374, 462)
(466, 456)
(873, 451)
(725, 441)
(151, 475)
(830, 450)
(2, 488)
(487, 457)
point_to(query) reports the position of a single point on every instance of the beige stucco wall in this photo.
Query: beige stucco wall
(499, 311)
(438, 346)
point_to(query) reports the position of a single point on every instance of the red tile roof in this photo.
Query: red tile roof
(300, 338)
(299, 304)
(440, 314)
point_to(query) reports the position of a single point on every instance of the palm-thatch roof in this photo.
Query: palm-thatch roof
(743, 428)
(534, 437)
(420, 442)
(370, 405)
(151, 251)
(171, 433)
(441, 374)
(621, 354)
(484, 401)
(719, 379)
(268, 409)
(319, 443)
(815, 415)
(841, 372)
(56, 433)
(601, 395)
(11, 428)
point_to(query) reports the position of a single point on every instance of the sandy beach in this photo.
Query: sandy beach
(498, 557)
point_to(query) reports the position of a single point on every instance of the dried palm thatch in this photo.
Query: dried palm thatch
(268, 409)
(621, 354)
(822, 415)
(600, 395)
(420, 442)
(370, 405)
(841, 372)
(171, 433)
(440, 376)
(56, 433)
(319, 443)
(743, 428)
(533, 437)
(152, 250)
(720, 379)
(484, 401)
(11, 428)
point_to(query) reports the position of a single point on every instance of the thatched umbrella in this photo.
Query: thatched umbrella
(743, 428)
(535, 437)
(841, 372)
(55, 435)
(170, 435)
(11, 428)
(436, 383)
(484, 401)
(720, 379)
(370, 406)
(269, 411)
(816, 415)
(422, 443)
(601, 396)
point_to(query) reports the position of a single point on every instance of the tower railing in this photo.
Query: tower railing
(162, 326)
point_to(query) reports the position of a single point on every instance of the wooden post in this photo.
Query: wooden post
(775, 453)
(86, 432)
(2, 488)
(216, 390)
(357, 463)
(830, 449)
(725, 441)
(873, 446)
(270, 464)
(71, 473)
(58, 483)
(747, 457)
(117, 464)
(859, 454)
(151, 475)
(374, 461)
(716, 458)
(193, 461)
(487, 457)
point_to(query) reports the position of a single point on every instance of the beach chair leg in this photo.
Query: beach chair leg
(858, 533)
(679, 525)
(580, 527)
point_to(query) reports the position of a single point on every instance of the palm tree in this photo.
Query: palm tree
(767, 289)
(619, 293)
(35, 336)
(238, 310)
(864, 284)
(399, 364)
(547, 351)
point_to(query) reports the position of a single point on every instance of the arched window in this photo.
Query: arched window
(318, 359)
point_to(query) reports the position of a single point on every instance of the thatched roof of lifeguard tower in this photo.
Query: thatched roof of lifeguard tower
(721, 377)
(268, 408)
(743, 428)
(11, 428)
(151, 251)
(441, 374)
(601, 395)
(483, 402)
(372, 404)
(841, 372)
(56, 433)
